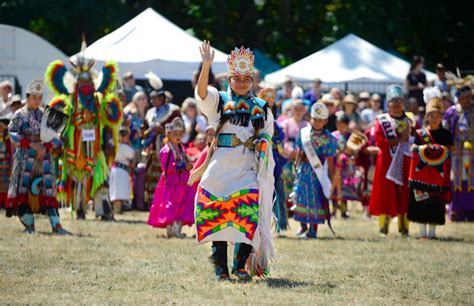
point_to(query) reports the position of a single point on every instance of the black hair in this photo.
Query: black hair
(124, 131)
(465, 88)
(212, 77)
(343, 118)
(415, 61)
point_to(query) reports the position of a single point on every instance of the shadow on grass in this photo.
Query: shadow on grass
(285, 283)
(130, 221)
(333, 238)
(452, 239)
(188, 237)
(75, 235)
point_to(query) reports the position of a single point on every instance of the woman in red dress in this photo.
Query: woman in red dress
(390, 186)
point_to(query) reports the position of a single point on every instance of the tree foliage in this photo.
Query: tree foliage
(285, 30)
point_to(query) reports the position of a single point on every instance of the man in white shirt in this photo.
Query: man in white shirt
(6, 88)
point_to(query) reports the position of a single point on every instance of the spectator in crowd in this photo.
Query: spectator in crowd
(314, 94)
(336, 93)
(134, 114)
(129, 86)
(193, 151)
(349, 107)
(214, 80)
(15, 104)
(284, 93)
(296, 94)
(446, 100)
(210, 136)
(194, 122)
(441, 81)
(368, 115)
(256, 79)
(332, 105)
(364, 101)
(413, 108)
(6, 88)
(416, 81)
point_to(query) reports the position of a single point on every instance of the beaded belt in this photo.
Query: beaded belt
(230, 141)
(122, 166)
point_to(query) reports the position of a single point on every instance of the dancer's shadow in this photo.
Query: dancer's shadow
(130, 221)
(285, 283)
(75, 235)
(453, 239)
(331, 238)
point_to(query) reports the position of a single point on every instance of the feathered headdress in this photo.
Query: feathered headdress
(154, 80)
(431, 93)
(53, 123)
(176, 125)
(240, 62)
(356, 141)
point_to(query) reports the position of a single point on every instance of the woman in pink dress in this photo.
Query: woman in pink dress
(173, 201)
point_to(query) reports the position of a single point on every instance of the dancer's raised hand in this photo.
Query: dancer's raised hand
(207, 54)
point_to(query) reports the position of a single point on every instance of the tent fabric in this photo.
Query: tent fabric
(25, 55)
(264, 63)
(151, 42)
(350, 59)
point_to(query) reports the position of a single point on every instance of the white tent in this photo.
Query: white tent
(151, 42)
(25, 55)
(350, 59)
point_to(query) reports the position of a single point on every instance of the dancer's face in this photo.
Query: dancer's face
(434, 118)
(318, 124)
(34, 101)
(395, 107)
(175, 136)
(241, 85)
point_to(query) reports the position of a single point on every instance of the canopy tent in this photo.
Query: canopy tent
(151, 42)
(264, 63)
(349, 60)
(24, 55)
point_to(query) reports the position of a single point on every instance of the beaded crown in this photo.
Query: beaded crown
(240, 62)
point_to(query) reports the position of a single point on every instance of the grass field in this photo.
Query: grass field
(128, 262)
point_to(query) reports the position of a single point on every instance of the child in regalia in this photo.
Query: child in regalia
(32, 186)
(315, 167)
(341, 135)
(429, 178)
(173, 201)
(347, 178)
(119, 179)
